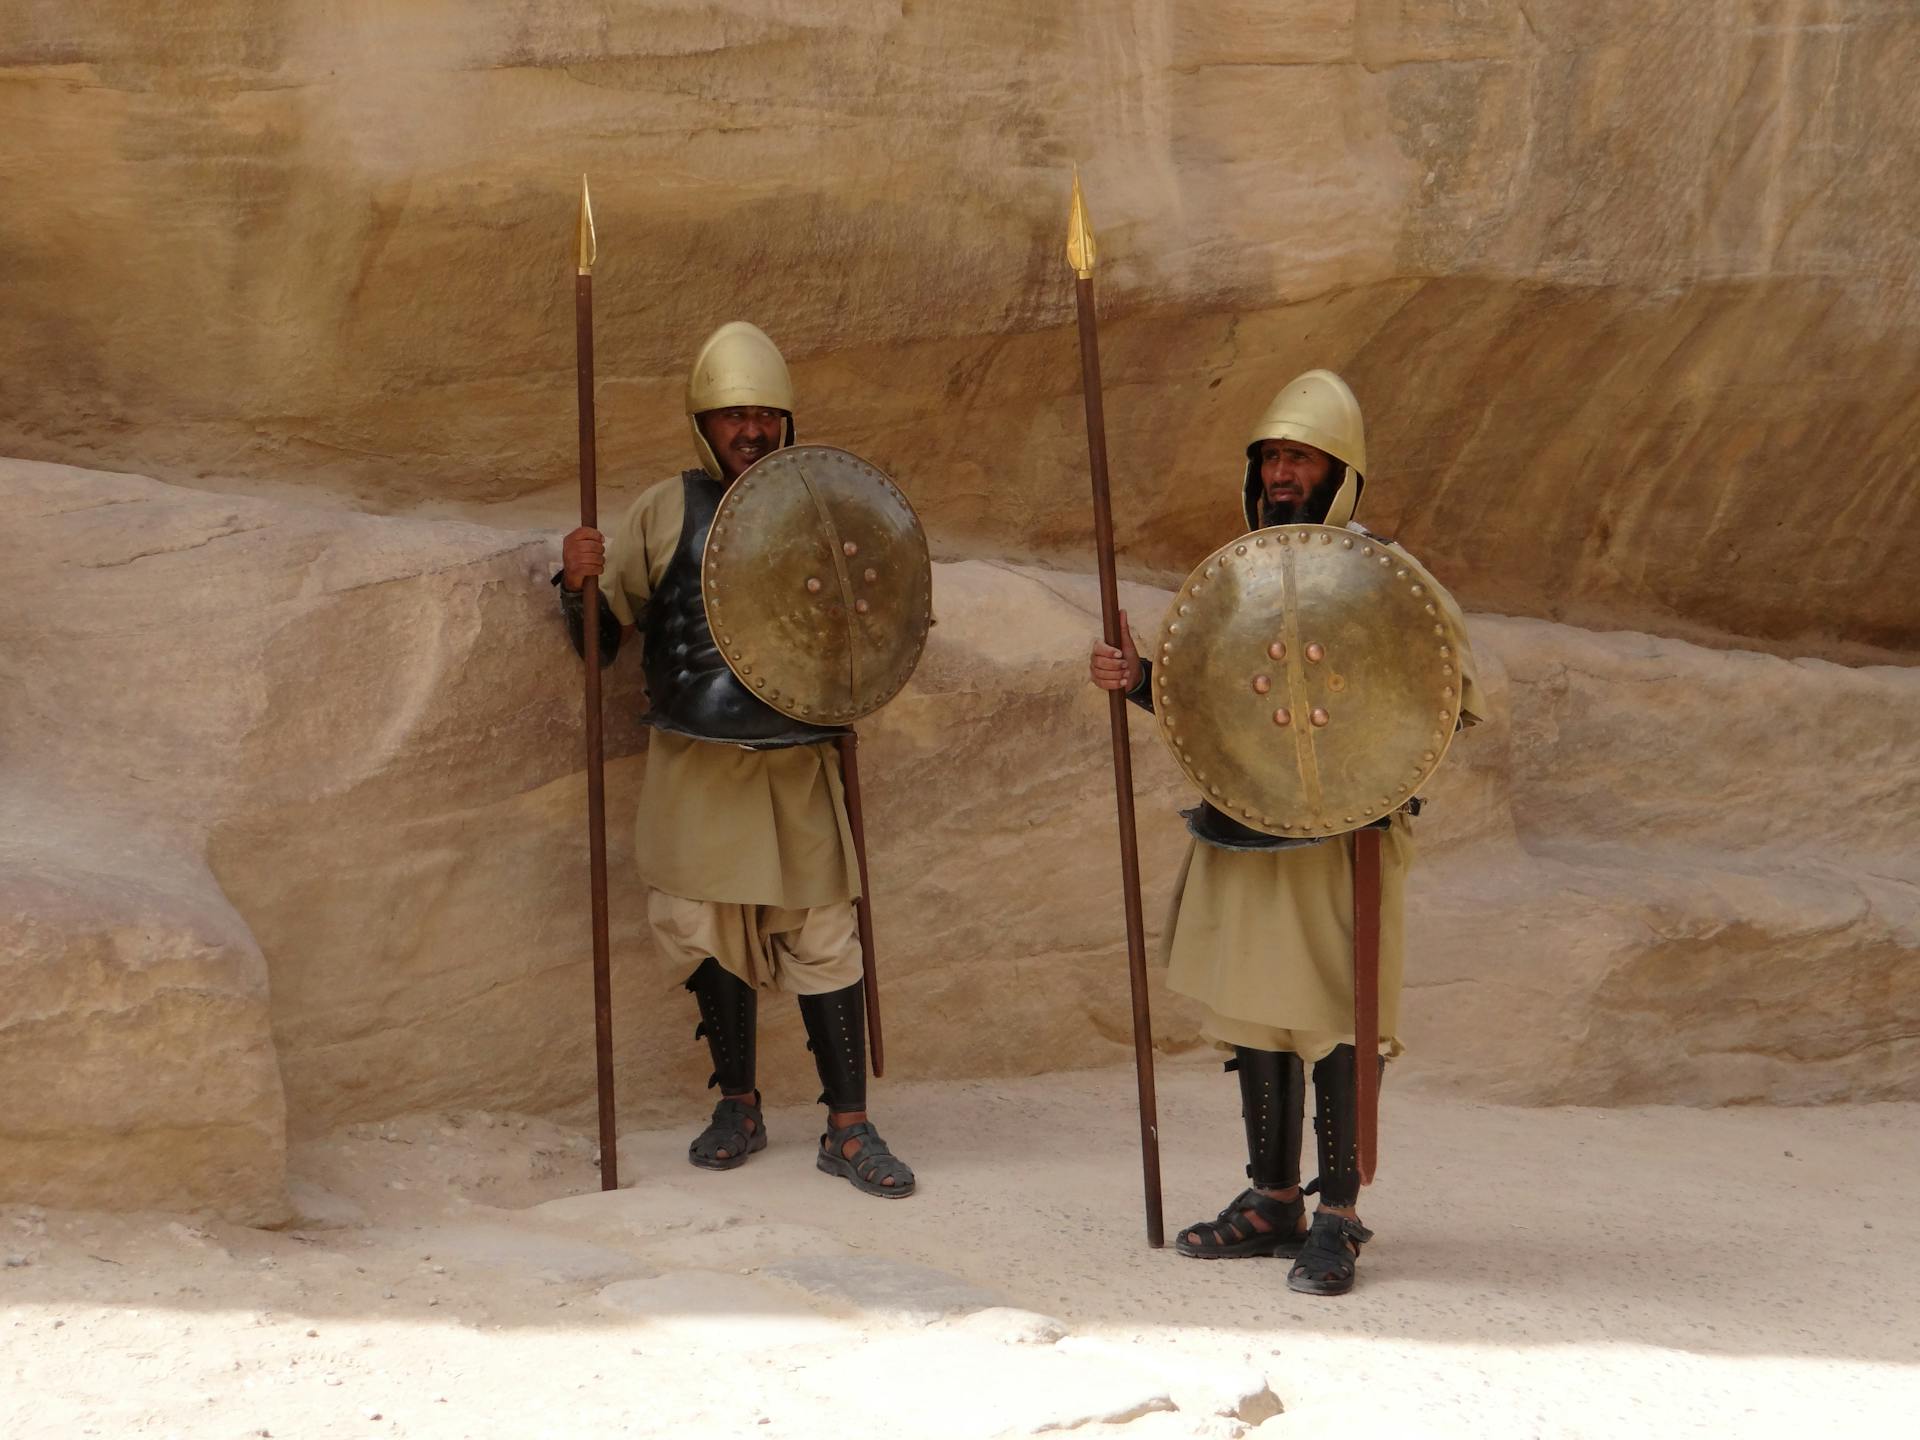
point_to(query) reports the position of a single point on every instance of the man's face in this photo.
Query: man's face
(1291, 474)
(741, 434)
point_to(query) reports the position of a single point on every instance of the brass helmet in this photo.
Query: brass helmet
(1316, 409)
(738, 365)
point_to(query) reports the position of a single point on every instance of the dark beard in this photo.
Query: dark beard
(1310, 510)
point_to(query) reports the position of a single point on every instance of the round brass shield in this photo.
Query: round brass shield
(1307, 679)
(818, 584)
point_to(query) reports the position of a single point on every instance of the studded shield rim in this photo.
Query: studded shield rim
(818, 584)
(1307, 679)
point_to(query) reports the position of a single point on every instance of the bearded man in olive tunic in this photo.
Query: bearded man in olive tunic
(743, 839)
(1260, 931)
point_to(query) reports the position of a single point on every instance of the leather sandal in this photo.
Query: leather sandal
(728, 1131)
(1233, 1235)
(872, 1164)
(1326, 1262)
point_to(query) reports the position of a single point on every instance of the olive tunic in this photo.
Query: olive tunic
(747, 854)
(1263, 939)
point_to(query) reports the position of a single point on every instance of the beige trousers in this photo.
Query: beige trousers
(803, 952)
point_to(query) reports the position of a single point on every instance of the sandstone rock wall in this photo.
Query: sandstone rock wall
(294, 838)
(1627, 289)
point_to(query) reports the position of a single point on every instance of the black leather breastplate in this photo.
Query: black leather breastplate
(690, 690)
(1220, 830)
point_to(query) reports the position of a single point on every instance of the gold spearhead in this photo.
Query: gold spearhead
(589, 247)
(1080, 248)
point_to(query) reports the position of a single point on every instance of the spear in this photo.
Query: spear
(1081, 256)
(596, 766)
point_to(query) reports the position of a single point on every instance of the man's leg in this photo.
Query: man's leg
(729, 1014)
(837, 1035)
(1268, 1217)
(1326, 1263)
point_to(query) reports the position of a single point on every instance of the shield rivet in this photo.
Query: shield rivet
(1174, 628)
(1419, 589)
(1349, 820)
(1326, 537)
(1316, 652)
(1284, 537)
(1319, 716)
(813, 585)
(1186, 609)
(1277, 650)
(1446, 669)
(1428, 757)
(1447, 690)
(1260, 540)
(1196, 588)
(1439, 629)
(1261, 684)
(1445, 650)
(861, 607)
(760, 684)
(1239, 549)
(849, 549)
(1346, 544)
(1366, 550)
(872, 574)
(1400, 574)
(1283, 717)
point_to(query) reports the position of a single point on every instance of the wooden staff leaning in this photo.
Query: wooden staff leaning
(596, 762)
(1081, 256)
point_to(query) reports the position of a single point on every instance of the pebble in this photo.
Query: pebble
(17, 1262)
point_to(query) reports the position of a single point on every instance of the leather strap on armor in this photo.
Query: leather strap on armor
(729, 1010)
(690, 690)
(1336, 1113)
(573, 605)
(837, 1035)
(1273, 1096)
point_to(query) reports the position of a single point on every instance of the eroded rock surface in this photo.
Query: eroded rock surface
(315, 775)
(1626, 290)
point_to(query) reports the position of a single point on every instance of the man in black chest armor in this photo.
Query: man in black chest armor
(1262, 927)
(743, 839)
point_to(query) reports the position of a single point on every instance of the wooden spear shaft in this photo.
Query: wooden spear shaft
(1080, 253)
(863, 907)
(596, 763)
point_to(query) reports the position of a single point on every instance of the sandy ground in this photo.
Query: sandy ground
(1563, 1272)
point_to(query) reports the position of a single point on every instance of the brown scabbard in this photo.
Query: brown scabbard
(1366, 995)
(863, 906)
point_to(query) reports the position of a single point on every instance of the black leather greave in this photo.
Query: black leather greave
(1273, 1098)
(1336, 1126)
(729, 1012)
(837, 1035)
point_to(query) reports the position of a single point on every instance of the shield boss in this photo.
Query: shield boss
(1307, 679)
(818, 584)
